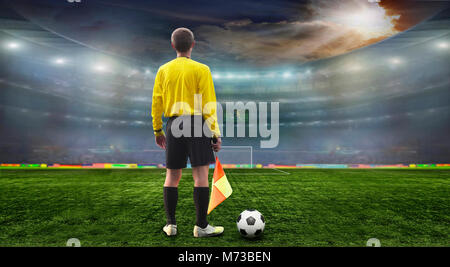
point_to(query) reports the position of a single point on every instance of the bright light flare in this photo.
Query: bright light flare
(12, 45)
(372, 21)
(287, 75)
(395, 61)
(59, 61)
(100, 68)
(442, 45)
(354, 67)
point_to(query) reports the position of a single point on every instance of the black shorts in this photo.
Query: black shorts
(180, 148)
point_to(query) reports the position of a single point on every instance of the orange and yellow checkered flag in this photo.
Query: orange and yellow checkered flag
(221, 188)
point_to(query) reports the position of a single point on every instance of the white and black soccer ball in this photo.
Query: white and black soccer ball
(250, 223)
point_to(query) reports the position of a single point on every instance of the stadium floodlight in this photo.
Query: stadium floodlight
(147, 71)
(230, 76)
(287, 75)
(12, 45)
(59, 61)
(354, 67)
(100, 68)
(216, 76)
(442, 45)
(395, 61)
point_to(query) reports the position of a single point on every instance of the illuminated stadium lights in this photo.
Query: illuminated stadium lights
(395, 61)
(256, 75)
(442, 45)
(148, 72)
(99, 68)
(12, 45)
(59, 61)
(354, 67)
(287, 75)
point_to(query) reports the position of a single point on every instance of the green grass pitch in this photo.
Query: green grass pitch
(302, 207)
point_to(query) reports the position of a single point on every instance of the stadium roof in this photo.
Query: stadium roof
(16, 25)
(19, 27)
(23, 29)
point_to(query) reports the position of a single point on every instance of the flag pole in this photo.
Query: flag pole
(221, 188)
(214, 141)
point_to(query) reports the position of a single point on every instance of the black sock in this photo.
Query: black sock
(201, 200)
(170, 203)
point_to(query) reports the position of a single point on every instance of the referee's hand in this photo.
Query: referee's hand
(217, 145)
(161, 141)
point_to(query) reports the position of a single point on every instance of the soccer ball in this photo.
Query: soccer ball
(250, 223)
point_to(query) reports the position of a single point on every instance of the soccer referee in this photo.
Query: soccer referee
(184, 80)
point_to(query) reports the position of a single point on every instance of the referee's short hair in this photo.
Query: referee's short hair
(182, 39)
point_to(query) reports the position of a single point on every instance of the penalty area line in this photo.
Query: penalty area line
(279, 173)
(285, 172)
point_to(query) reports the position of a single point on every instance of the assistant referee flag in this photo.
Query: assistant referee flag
(221, 188)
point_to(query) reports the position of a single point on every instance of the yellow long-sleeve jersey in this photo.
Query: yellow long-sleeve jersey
(179, 86)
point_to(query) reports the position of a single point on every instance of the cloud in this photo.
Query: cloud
(336, 27)
(287, 42)
(410, 13)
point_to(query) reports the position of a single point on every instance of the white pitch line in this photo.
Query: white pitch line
(285, 172)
